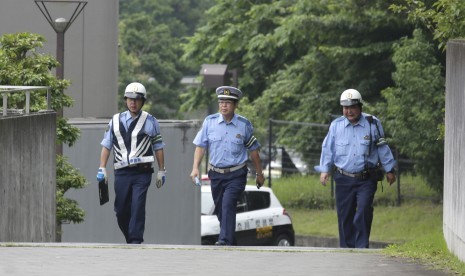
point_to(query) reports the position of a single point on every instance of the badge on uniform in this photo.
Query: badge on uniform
(367, 137)
(238, 135)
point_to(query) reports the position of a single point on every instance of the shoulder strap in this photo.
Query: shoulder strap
(371, 120)
(119, 155)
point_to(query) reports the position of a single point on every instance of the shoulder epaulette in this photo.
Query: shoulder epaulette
(243, 119)
(339, 119)
(212, 116)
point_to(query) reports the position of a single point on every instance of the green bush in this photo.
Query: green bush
(302, 192)
(306, 192)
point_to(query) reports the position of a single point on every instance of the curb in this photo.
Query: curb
(314, 241)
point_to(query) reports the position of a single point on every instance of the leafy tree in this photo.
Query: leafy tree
(68, 177)
(411, 109)
(21, 64)
(445, 19)
(151, 32)
(157, 64)
(296, 57)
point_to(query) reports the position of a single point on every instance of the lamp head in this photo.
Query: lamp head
(61, 24)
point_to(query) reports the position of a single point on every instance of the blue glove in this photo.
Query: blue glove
(101, 174)
(161, 178)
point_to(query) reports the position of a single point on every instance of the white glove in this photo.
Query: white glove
(197, 181)
(161, 178)
(101, 174)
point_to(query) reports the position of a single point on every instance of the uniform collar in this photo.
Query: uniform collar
(127, 115)
(233, 121)
(361, 121)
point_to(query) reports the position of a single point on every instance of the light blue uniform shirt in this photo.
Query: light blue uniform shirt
(347, 146)
(227, 142)
(151, 128)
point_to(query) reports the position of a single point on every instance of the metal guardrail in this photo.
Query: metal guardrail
(6, 89)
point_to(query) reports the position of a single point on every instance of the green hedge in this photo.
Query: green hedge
(307, 192)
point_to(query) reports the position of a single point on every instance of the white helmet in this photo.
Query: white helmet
(135, 90)
(351, 97)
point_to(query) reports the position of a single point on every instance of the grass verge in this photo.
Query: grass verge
(390, 224)
(414, 227)
(429, 249)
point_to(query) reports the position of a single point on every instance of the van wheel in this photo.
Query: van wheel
(282, 240)
(207, 242)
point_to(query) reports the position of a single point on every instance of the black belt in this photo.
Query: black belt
(363, 174)
(140, 167)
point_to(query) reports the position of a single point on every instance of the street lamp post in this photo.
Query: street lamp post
(60, 24)
(60, 15)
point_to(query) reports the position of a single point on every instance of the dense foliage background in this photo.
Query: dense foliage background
(151, 35)
(295, 57)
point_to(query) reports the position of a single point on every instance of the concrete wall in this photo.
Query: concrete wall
(173, 211)
(90, 51)
(27, 178)
(454, 159)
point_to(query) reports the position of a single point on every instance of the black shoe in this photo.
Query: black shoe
(220, 243)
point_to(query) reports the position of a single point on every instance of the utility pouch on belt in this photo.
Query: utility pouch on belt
(145, 168)
(377, 173)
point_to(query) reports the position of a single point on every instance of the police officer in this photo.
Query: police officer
(134, 135)
(355, 145)
(228, 136)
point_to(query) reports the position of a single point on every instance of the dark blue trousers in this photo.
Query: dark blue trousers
(226, 191)
(354, 202)
(131, 192)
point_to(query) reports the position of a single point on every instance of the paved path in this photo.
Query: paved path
(69, 259)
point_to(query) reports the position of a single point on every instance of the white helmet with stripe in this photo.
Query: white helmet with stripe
(135, 90)
(351, 97)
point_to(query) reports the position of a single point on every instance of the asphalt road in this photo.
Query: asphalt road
(69, 259)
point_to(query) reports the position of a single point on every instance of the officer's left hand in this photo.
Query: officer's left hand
(324, 178)
(161, 178)
(391, 178)
(260, 180)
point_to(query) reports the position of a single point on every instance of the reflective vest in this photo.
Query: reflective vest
(133, 146)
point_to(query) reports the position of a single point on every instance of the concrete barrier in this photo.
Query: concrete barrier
(454, 150)
(27, 178)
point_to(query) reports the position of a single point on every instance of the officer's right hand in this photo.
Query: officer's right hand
(195, 175)
(101, 174)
